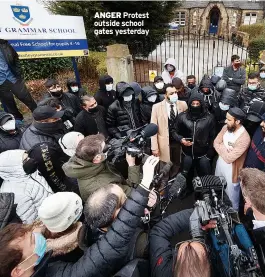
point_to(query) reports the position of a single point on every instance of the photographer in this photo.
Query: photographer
(90, 168)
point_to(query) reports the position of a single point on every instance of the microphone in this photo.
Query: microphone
(178, 186)
(209, 182)
(149, 131)
(157, 178)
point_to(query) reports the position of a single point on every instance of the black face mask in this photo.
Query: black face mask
(195, 111)
(93, 110)
(57, 94)
(30, 166)
(191, 86)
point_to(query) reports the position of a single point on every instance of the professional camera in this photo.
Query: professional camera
(133, 143)
(232, 250)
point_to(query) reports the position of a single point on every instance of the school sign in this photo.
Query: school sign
(35, 34)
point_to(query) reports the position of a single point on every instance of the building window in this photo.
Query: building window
(194, 19)
(234, 19)
(180, 18)
(250, 18)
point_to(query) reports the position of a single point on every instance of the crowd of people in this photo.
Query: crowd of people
(65, 210)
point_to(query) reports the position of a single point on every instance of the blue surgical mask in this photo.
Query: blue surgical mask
(223, 107)
(262, 75)
(252, 87)
(173, 98)
(74, 89)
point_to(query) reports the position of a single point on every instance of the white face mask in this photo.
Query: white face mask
(262, 75)
(74, 89)
(223, 107)
(170, 67)
(109, 87)
(173, 98)
(127, 98)
(152, 98)
(159, 85)
(9, 125)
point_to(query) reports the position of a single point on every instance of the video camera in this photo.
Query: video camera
(232, 250)
(133, 143)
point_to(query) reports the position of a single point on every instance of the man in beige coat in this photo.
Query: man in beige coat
(164, 115)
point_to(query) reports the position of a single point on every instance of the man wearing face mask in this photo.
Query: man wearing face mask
(74, 88)
(91, 120)
(68, 100)
(235, 74)
(253, 92)
(40, 140)
(195, 130)
(183, 92)
(191, 83)
(92, 171)
(10, 133)
(171, 71)
(106, 94)
(262, 76)
(124, 113)
(159, 87)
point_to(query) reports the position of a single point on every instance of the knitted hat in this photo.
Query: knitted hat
(69, 142)
(60, 210)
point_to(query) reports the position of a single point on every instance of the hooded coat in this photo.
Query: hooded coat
(29, 190)
(103, 97)
(166, 76)
(159, 91)
(119, 117)
(81, 92)
(201, 130)
(145, 105)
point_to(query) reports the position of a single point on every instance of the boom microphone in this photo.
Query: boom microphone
(178, 186)
(149, 131)
(165, 170)
(208, 182)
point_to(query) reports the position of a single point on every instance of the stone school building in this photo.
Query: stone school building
(221, 18)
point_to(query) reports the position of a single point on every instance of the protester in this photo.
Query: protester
(221, 86)
(182, 91)
(91, 120)
(232, 144)
(30, 190)
(164, 115)
(159, 87)
(92, 171)
(256, 152)
(235, 74)
(18, 243)
(254, 92)
(69, 142)
(106, 95)
(150, 97)
(40, 140)
(59, 216)
(11, 81)
(74, 88)
(124, 113)
(195, 130)
(262, 76)
(68, 100)
(192, 83)
(137, 89)
(10, 132)
(215, 79)
(170, 71)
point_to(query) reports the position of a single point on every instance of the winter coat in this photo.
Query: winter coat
(248, 97)
(6, 208)
(92, 176)
(91, 123)
(10, 141)
(166, 76)
(108, 255)
(238, 77)
(145, 105)
(81, 92)
(118, 117)
(201, 130)
(42, 145)
(11, 58)
(160, 141)
(29, 190)
(103, 97)
(161, 251)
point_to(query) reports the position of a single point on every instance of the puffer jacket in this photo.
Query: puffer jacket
(166, 76)
(201, 130)
(105, 98)
(6, 206)
(248, 97)
(118, 117)
(10, 141)
(81, 92)
(145, 105)
(29, 190)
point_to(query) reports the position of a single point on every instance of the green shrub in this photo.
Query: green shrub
(34, 69)
(254, 30)
(255, 47)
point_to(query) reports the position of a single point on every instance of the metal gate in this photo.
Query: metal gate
(195, 54)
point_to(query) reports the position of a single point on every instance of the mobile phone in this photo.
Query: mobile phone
(188, 139)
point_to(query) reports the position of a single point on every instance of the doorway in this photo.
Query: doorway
(214, 16)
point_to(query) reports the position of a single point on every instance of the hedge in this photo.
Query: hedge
(254, 30)
(255, 47)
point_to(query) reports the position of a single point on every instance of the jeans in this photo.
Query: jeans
(8, 89)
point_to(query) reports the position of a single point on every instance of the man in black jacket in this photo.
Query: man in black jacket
(74, 88)
(23, 252)
(159, 87)
(124, 113)
(91, 120)
(195, 130)
(68, 100)
(106, 95)
(40, 140)
(182, 91)
(11, 81)
(10, 132)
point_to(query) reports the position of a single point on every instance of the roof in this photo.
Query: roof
(243, 5)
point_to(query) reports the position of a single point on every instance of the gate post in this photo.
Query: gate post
(119, 63)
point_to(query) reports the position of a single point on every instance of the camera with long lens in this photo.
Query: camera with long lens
(133, 143)
(232, 251)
